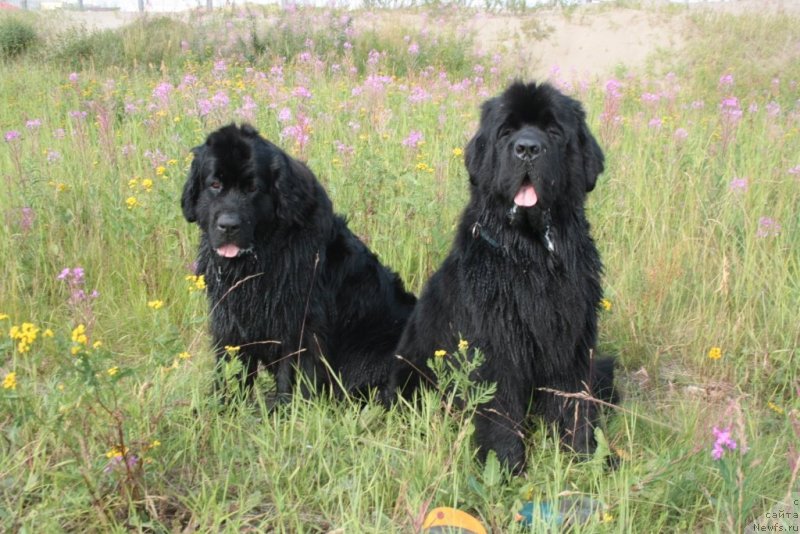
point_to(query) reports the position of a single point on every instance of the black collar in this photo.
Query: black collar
(479, 232)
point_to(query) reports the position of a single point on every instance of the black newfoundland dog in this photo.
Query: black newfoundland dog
(288, 283)
(522, 281)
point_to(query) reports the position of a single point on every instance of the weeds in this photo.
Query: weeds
(17, 36)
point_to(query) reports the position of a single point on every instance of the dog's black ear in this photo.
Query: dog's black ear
(475, 151)
(472, 156)
(592, 154)
(294, 185)
(248, 130)
(193, 185)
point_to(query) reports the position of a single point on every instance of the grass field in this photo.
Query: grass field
(105, 416)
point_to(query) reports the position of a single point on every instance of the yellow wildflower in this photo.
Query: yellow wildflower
(147, 184)
(154, 444)
(184, 355)
(440, 353)
(232, 349)
(605, 304)
(196, 283)
(607, 518)
(24, 335)
(10, 381)
(463, 344)
(116, 451)
(112, 371)
(155, 304)
(131, 202)
(48, 333)
(3, 316)
(775, 408)
(160, 170)
(97, 344)
(79, 335)
(133, 183)
(457, 152)
(715, 353)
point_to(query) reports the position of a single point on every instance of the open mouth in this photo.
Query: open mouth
(526, 197)
(230, 250)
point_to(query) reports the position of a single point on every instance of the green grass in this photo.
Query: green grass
(17, 35)
(687, 270)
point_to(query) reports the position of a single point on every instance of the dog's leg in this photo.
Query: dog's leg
(284, 380)
(576, 424)
(499, 427)
(566, 406)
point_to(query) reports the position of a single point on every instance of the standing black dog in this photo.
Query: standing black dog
(288, 282)
(522, 281)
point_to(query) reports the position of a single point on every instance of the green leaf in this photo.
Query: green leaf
(492, 471)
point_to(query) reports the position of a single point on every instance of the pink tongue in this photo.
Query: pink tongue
(526, 196)
(228, 251)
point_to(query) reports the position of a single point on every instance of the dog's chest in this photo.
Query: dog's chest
(524, 304)
(250, 304)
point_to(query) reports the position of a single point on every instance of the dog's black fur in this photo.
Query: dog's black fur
(287, 281)
(522, 281)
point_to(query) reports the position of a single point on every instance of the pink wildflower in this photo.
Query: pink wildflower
(413, 140)
(722, 441)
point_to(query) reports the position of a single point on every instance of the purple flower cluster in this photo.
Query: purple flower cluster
(413, 140)
(611, 108)
(345, 150)
(739, 185)
(75, 279)
(162, 92)
(299, 132)
(26, 219)
(301, 92)
(722, 440)
(418, 94)
(768, 227)
(248, 109)
(120, 463)
(730, 109)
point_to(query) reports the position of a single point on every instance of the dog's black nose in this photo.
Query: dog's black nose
(527, 148)
(228, 222)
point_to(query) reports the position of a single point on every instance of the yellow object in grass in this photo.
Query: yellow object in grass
(440, 520)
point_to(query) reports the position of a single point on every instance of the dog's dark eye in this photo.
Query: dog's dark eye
(216, 185)
(554, 132)
(252, 188)
(505, 132)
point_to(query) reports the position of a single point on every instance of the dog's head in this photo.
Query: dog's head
(533, 150)
(241, 187)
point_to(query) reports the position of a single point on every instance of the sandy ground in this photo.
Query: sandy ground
(590, 40)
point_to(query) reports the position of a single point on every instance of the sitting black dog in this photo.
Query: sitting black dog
(522, 281)
(288, 283)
